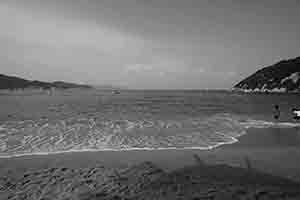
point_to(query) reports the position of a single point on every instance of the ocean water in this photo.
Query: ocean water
(36, 123)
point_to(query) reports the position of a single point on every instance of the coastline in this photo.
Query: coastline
(261, 145)
(241, 169)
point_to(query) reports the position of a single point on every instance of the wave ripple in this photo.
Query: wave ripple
(89, 134)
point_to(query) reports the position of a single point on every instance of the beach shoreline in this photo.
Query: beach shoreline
(261, 146)
(231, 162)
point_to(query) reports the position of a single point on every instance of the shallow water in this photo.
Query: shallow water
(98, 120)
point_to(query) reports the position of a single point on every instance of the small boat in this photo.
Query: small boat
(116, 92)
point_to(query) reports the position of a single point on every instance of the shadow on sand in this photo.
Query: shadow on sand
(147, 181)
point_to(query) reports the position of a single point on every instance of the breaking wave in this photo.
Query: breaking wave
(46, 136)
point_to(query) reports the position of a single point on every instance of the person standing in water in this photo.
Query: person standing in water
(276, 112)
(277, 133)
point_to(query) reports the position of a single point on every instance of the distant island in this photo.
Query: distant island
(14, 83)
(283, 76)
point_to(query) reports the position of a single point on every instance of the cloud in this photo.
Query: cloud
(46, 46)
(138, 68)
(163, 67)
(58, 33)
(190, 43)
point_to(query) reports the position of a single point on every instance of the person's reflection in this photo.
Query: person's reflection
(277, 136)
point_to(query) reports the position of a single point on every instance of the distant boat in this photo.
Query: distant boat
(116, 92)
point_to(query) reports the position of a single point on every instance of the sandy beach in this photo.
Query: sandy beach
(149, 100)
(257, 155)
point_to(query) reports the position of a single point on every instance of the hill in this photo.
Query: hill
(283, 76)
(12, 82)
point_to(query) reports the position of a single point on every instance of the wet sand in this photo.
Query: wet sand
(274, 148)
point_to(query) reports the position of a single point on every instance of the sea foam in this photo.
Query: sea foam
(44, 136)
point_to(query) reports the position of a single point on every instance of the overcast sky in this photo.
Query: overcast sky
(158, 44)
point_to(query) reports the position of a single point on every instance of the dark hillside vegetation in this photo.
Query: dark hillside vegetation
(283, 76)
(12, 83)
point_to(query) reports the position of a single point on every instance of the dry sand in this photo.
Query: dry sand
(261, 166)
